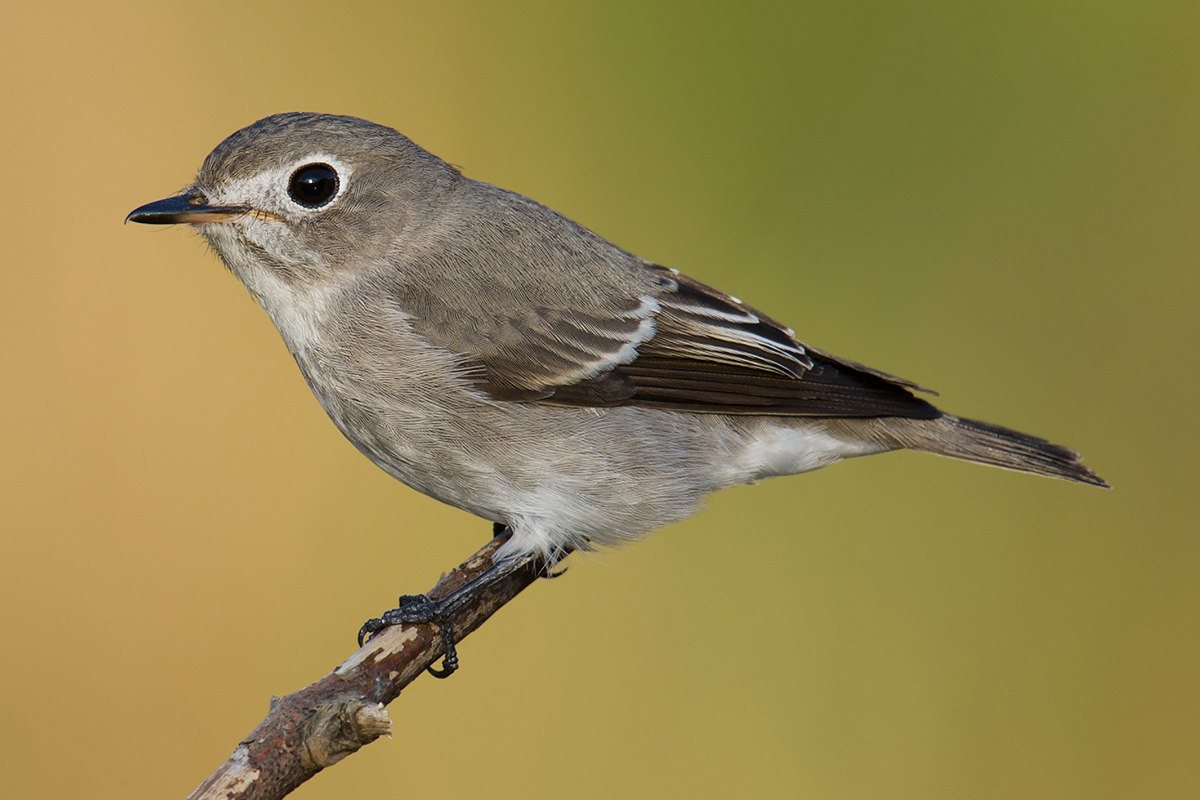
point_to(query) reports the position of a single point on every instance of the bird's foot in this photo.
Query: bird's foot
(417, 609)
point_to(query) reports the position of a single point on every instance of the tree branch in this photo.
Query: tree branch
(328, 720)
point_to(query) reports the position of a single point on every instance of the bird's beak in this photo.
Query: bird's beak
(188, 207)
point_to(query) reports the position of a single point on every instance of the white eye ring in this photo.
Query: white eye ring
(314, 185)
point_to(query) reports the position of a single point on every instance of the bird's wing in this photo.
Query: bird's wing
(677, 345)
(711, 353)
(542, 310)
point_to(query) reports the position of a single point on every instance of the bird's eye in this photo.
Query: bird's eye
(313, 185)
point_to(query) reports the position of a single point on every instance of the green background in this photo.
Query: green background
(997, 199)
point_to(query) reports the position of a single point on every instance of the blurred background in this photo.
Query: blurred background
(997, 200)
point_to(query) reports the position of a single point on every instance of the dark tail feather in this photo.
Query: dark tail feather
(985, 443)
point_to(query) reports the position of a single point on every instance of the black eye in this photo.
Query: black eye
(313, 185)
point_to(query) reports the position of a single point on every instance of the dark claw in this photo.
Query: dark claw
(450, 660)
(420, 610)
(369, 629)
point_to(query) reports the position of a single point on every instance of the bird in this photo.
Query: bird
(500, 357)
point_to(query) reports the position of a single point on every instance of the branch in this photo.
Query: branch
(328, 720)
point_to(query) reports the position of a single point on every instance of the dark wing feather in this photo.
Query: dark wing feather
(525, 359)
(712, 354)
(698, 322)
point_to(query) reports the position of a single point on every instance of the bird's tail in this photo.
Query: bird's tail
(985, 443)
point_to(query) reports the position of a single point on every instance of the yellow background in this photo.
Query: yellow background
(998, 200)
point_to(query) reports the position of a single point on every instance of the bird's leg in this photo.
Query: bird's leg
(419, 609)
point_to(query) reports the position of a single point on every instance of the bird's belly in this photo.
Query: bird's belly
(562, 477)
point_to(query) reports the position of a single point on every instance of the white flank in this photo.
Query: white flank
(788, 450)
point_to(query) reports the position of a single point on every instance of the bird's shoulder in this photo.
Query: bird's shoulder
(530, 296)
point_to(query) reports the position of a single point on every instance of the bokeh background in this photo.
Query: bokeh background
(998, 200)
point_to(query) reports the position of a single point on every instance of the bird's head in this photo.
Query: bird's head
(307, 198)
